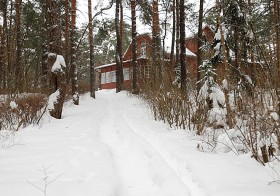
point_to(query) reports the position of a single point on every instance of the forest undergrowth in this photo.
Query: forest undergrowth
(256, 121)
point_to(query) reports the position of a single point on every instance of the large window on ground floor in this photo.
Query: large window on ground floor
(109, 77)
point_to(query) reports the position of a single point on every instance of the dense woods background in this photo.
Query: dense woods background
(46, 58)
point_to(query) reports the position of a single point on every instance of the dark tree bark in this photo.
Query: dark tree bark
(277, 55)
(156, 67)
(19, 42)
(135, 89)
(3, 48)
(57, 75)
(173, 33)
(45, 38)
(91, 52)
(1, 59)
(66, 31)
(177, 33)
(74, 82)
(200, 42)
(183, 47)
(118, 56)
(10, 49)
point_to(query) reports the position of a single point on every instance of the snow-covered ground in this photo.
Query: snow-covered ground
(112, 147)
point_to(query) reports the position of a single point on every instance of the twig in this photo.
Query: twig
(95, 15)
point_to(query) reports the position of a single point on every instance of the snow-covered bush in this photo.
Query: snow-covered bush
(21, 112)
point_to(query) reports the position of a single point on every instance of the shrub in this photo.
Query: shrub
(20, 112)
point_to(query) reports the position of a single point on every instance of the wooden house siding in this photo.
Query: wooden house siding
(145, 41)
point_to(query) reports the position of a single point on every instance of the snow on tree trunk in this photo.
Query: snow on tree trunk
(56, 63)
(58, 81)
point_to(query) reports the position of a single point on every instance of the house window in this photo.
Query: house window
(147, 71)
(113, 75)
(143, 50)
(126, 74)
(103, 78)
(108, 77)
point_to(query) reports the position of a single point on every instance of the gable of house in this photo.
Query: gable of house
(143, 47)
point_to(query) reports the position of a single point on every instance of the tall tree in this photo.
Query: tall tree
(173, 32)
(118, 56)
(66, 49)
(156, 67)
(3, 47)
(74, 78)
(200, 42)
(226, 64)
(56, 63)
(19, 43)
(91, 51)
(135, 89)
(183, 47)
(44, 79)
(277, 53)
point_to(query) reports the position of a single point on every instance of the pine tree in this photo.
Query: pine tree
(3, 48)
(73, 69)
(183, 70)
(19, 44)
(156, 66)
(118, 56)
(91, 52)
(56, 63)
(135, 89)
(200, 41)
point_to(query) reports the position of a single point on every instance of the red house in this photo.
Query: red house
(144, 50)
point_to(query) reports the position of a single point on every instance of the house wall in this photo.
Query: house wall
(144, 66)
(145, 38)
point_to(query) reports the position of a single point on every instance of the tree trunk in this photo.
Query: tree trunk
(135, 89)
(57, 75)
(156, 67)
(200, 43)
(74, 82)
(264, 154)
(19, 42)
(44, 79)
(3, 48)
(225, 87)
(177, 57)
(276, 24)
(119, 71)
(66, 31)
(173, 33)
(183, 47)
(1, 58)
(91, 52)
(10, 50)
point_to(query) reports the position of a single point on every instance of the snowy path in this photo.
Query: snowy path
(141, 168)
(111, 147)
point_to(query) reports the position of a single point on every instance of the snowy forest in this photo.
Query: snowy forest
(207, 68)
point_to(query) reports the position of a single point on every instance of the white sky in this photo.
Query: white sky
(83, 16)
(83, 9)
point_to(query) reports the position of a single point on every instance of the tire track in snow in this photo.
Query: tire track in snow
(141, 169)
(180, 168)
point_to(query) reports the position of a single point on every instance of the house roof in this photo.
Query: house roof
(189, 53)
